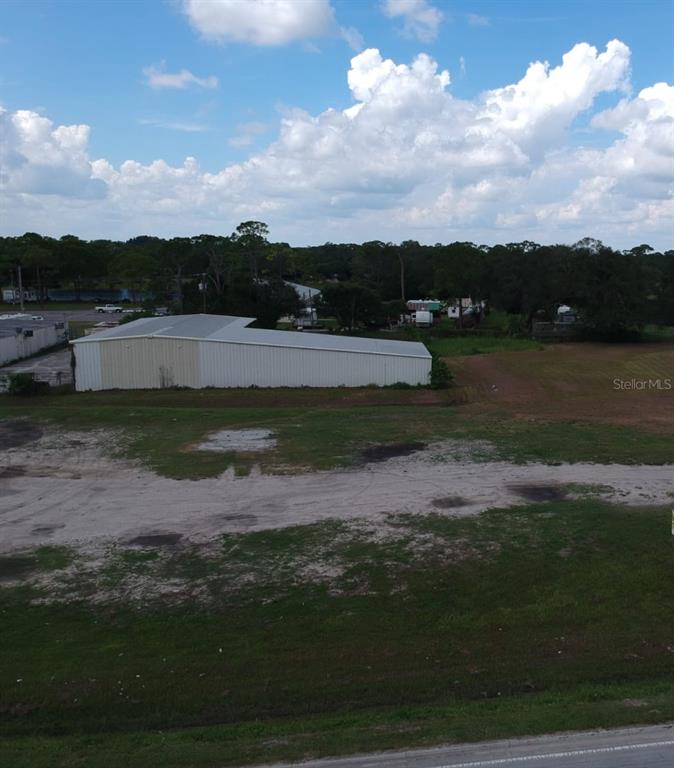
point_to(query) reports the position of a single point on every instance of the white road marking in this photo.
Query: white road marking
(552, 755)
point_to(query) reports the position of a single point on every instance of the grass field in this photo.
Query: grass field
(518, 621)
(588, 383)
(340, 637)
(558, 403)
(324, 429)
(460, 346)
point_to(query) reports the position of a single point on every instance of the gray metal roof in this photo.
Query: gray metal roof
(304, 291)
(230, 329)
(8, 325)
(176, 326)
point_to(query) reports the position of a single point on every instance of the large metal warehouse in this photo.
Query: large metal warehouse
(221, 351)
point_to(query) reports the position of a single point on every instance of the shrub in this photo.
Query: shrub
(517, 326)
(25, 385)
(441, 376)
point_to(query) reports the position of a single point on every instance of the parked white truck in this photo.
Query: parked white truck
(108, 309)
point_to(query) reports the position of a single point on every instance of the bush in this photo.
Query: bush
(136, 316)
(517, 326)
(441, 376)
(25, 385)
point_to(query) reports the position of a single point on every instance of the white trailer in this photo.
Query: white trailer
(422, 318)
(13, 295)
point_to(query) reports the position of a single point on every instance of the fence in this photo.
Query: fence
(554, 331)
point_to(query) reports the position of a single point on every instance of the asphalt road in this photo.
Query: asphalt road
(70, 314)
(51, 363)
(645, 747)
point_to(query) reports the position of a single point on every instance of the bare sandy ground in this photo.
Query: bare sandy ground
(64, 490)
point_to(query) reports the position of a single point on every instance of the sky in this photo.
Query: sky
(340, 120)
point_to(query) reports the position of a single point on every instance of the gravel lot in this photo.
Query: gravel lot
(62, 488)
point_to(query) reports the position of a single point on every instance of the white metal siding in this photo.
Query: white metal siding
(228, 364)
(8, 349)
(88, 367)
(150, 363)
(18, 346)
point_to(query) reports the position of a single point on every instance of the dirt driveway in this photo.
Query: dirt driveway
(62, 488)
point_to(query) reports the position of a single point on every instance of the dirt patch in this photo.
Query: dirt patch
(242, 518)
(7, 473)
(539, 492)
(571, 382)
(15, 433)
(118, 501)
(449, 502)
(239, 441)
(377, 453)
(635, 702)
(156, 540)
(46, 530)
(16, 567)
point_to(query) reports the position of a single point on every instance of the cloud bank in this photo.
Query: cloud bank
(405, 160)
(259, 22)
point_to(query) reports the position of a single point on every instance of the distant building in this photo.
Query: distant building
(25, 335)
(95, 294)
(457, 307)
(306, 294)
(221, 351)
(13, 295)
(426, 305)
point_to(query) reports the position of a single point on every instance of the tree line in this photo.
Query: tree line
(244, 273)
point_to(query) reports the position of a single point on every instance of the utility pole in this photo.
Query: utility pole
(401, 259)
(18, 270)
(179, 289)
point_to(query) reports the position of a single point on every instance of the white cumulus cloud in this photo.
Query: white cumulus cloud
(37, 157)
(421, 19)
(260, 22)
(157, 77)
(405, 160)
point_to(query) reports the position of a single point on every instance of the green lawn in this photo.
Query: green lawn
(459, 346)
(525, 620)
(321, 429)
(658, 333)
(481, 342)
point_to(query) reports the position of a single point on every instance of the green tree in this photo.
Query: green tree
(251, 237)
(352, 304)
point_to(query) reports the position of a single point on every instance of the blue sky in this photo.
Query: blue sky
(92, 64)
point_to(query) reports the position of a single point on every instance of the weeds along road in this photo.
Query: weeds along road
(647, 747)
